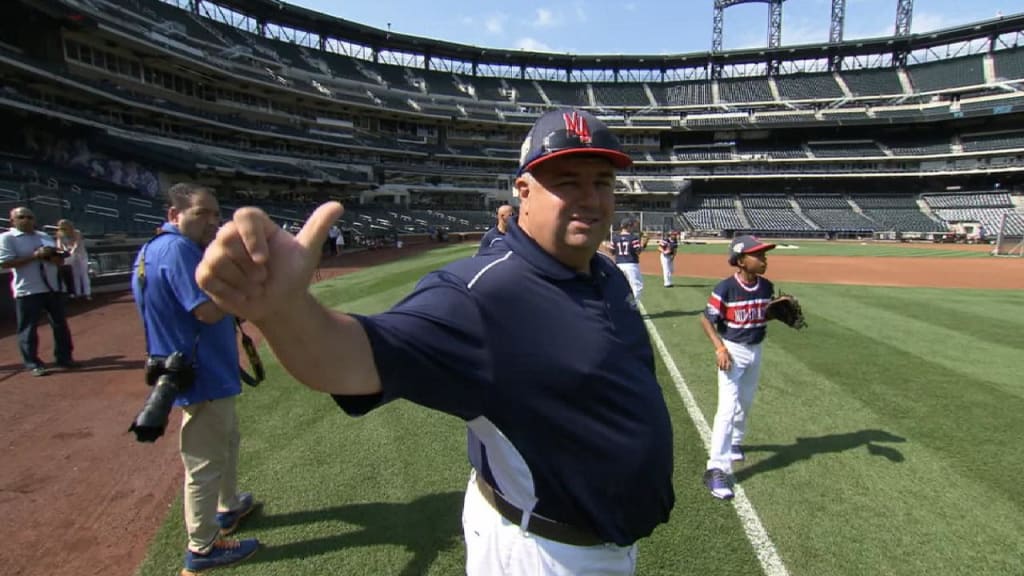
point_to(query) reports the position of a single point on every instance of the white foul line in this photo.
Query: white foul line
(771, 563)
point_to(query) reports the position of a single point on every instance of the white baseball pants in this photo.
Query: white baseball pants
(668, 267)
(496, 547)
(736, 389)
(636, 281)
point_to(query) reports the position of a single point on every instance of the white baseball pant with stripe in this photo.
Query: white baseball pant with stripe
(736, 389)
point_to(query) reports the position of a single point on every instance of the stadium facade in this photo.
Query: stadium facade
(109, 100)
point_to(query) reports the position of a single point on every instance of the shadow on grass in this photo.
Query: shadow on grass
(674, 313)
(806, 448)
(424, 527)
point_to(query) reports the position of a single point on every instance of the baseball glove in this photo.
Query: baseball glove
(786, 309)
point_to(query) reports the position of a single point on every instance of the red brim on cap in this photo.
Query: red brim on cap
(618, 159)
(759, 248)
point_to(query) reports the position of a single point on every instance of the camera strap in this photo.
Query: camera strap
(258, 373)
(140, 272)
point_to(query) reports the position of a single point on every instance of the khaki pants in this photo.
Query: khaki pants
(209, 451)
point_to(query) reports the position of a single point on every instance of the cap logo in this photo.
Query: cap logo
(737, 248)
(576, 125)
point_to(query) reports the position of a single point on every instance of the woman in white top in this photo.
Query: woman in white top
(70, 240)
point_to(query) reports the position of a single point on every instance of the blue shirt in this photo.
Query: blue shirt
(35, 277)
(553, 372)
(491, 238)
(668, 246)
(171, 294)
(627, 248)
(740, 312)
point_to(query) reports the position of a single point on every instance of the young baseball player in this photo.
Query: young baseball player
(667, 247)
(735, 321)
(628, 247)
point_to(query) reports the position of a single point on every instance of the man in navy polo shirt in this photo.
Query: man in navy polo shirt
(497, 234)
(179, 317)
(536, 347)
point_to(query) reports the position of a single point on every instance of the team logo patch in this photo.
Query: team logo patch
(576, 125)
(738, 248)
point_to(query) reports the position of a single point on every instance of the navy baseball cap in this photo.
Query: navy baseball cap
(746, 245)
(569, 131)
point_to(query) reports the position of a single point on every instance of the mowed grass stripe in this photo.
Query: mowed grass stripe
(798, 248)
(843, 486)
(981, 349)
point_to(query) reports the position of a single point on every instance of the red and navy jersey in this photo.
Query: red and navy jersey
(668, 246)
(627, 249)
(739, 311)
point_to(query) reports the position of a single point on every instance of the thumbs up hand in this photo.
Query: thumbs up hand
(253, 268)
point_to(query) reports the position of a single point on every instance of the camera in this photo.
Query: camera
(48, 252)
(169, 376)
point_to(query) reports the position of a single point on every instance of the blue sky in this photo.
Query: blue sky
(642, 26)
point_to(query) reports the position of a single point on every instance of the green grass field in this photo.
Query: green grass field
(819, 248)
(884, 440)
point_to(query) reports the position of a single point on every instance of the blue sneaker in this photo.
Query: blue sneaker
(229, 521)
(225, 552)
(717, 481)
(736, 453)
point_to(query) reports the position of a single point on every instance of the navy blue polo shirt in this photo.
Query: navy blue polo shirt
(491, 239)
(553, 372)
(171, 294)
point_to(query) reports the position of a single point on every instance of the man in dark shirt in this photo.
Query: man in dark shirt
(537, 347)
(493, 237)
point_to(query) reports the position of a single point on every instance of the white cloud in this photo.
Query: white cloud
(928, 21)
(545, 19)
(495, 24)
(630, 6)
(803, 33)
(532, 45)
(581, 13)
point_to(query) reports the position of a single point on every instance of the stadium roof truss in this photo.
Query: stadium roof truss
(312, 29)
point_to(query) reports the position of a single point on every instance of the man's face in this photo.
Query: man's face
(504, 213)
(199, 222)
(23, 220)
(567, 206)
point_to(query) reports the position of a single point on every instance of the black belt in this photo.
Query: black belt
(542, 527)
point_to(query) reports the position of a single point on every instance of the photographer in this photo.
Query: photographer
(181, 322)
(34, 260)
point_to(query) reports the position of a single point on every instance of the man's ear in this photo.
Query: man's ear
(522, 185)
(172, 215)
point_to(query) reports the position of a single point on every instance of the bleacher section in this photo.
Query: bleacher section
(808, 87)
(744, 90)
(839, 220)
(1000, 141)
(873, 82)
(1009, 64)
(696, 93)
(617, 94)
(947, 74)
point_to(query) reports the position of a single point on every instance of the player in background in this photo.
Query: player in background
(496, 235)
(628, 247)
(735, 321)
(667, 246)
